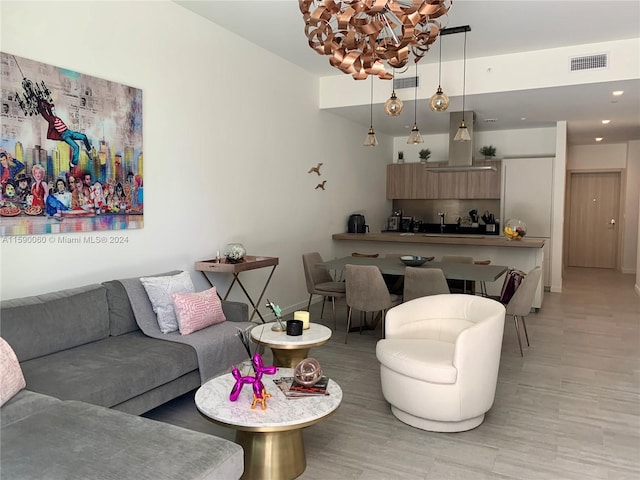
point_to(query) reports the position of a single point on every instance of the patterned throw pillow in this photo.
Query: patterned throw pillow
(159, 290)
(196, 311)
(11, 378)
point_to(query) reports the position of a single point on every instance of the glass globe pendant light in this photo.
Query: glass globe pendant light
(462, 135)
(371, 140)
(414, 136)
(393, 106)
(439, 101)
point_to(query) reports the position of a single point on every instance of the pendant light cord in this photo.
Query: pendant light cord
(371, 104)
(415, 99)
(464, 73)
(393, 81)
(440, 63)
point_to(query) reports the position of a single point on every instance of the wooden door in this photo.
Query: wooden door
(594, 202)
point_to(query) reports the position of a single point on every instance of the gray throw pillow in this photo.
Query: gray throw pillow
(159, 290)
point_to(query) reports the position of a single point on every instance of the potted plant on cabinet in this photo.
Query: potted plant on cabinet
(424, 154)
(488, 152)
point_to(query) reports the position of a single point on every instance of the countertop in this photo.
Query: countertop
(441, 238)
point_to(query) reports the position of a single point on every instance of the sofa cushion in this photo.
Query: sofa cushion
(423, 359)
(196, 311)
(159, 291)
(44, 324)
(110, 371)
(78, 441)
(23, 404)
(11, 378)
(121, 318)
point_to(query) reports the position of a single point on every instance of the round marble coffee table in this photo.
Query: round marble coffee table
(289, 350)
(272, 438)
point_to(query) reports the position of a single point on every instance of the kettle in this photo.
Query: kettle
(356, 224)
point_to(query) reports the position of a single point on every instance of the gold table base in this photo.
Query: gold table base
(289, 357)
(272, 455)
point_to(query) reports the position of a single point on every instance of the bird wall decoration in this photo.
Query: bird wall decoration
(321, 185)
(316, 169)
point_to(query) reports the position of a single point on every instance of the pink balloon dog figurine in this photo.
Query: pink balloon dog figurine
(260, 394)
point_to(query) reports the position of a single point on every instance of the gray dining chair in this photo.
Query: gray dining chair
(320, 282)
(422, 282)
(459, 286)
(522, 301)
(367, 292)
(395, 283)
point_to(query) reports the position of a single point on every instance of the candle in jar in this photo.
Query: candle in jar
(304, 316)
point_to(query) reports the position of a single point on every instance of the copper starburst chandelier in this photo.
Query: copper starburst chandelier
(361, 36)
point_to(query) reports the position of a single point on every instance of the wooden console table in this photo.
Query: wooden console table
(250, 262)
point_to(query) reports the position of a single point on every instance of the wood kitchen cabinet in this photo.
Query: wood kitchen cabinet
(414, 181)
(452, 185)
(485, 183)
(410, 181)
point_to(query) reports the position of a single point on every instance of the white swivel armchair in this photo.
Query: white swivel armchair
(439, 360)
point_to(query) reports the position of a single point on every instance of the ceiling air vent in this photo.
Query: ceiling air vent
(407, 82)
(589, 62)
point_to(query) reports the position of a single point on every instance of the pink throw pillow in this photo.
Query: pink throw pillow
(196, 311)
(11, 378)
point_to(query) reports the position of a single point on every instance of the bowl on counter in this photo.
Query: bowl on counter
(515, 229)
(414, 260)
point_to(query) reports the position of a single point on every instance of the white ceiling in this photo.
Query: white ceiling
(498, 27)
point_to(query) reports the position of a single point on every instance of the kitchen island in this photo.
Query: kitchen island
(524, 254)
(440, 239)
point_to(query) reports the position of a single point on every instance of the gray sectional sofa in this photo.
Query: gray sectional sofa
(88, 367)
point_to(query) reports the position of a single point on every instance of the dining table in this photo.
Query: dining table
(394, 266)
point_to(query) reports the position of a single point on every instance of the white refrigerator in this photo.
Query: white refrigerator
(527, 195)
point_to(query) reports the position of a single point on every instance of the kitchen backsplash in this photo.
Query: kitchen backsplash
(427, 210)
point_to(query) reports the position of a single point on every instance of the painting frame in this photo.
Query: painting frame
(71, 151)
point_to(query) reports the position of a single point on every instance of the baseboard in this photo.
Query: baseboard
(628, 270)
(637, 289)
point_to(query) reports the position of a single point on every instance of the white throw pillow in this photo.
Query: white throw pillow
(159, 290)
(11, 378)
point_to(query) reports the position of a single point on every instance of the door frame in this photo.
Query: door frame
(567, 210)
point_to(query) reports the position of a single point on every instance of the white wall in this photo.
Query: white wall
(500, 73)
(558, 206)
(230, 132)
(625, 156)
(632, 229)
(534, 142)
(638, 258)
(594, 157)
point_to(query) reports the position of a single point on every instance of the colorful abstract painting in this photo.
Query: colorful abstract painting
(70, 151)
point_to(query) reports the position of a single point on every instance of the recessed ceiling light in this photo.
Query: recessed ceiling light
(523, 118)
(617, 93)
(606, 122)
(598, 139)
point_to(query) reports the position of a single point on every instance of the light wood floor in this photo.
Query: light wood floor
(570, 409)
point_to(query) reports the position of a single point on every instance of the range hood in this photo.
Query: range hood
(460, 153)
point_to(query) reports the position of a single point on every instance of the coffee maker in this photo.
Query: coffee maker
(357, 224)
(394, 222)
